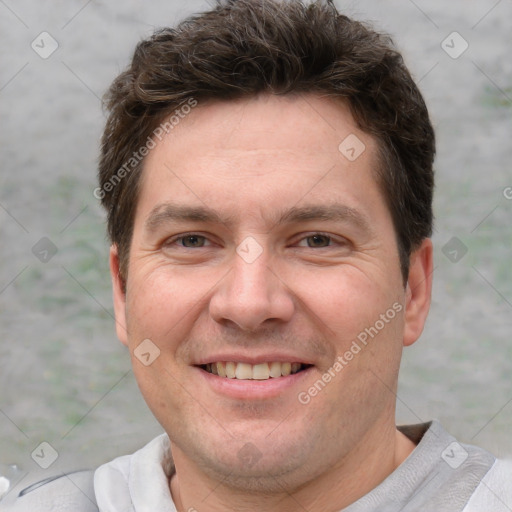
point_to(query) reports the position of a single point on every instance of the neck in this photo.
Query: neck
(374, 458)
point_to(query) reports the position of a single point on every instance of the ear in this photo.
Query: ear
(119, 296)
(418, 291)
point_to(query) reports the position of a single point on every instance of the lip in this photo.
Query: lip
(253, 389)
(267, 357)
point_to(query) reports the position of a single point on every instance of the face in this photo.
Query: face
(259, 244)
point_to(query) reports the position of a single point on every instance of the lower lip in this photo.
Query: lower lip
(253, 389)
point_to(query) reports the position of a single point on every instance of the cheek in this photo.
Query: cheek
(362, 317)
(161, 392)
(346, 299)
(157, 303)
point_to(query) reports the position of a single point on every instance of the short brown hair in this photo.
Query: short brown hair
(244, 47)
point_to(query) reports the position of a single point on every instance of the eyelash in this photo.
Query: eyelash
(180, 238)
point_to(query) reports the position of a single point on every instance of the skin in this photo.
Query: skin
(251, 160)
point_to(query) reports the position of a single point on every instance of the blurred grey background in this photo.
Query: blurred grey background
(64, 377)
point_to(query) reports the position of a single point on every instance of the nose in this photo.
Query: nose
(251, 294)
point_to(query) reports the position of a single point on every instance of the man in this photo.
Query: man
(267, 172)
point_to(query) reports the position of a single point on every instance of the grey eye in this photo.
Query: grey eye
(318, 241)
(193, 241)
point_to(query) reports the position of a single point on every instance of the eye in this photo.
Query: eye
(192, 241)
(189, 241)
(316, 240)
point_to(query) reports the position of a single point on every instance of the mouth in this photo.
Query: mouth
(243, 380)
(260, 371)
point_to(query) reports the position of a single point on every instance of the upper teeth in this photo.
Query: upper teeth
(261, 371)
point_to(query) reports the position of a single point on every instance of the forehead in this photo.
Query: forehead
(266, 122)
(262, 152)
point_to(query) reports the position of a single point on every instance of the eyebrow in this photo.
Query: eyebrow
(171, 212)
(333, 212)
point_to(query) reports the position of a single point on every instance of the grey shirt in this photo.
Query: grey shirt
(440, 475)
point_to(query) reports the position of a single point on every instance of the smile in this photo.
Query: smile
(245, 371)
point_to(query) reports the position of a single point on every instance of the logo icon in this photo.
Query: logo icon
(45, 455)
(44, 45)
(249, 454)
(249, 250)
(44, 250)
(454, 249)
(454, 455)
(146, 352)
(454, 45)
(352, 147)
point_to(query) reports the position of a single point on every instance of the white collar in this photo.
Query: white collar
(138, 482)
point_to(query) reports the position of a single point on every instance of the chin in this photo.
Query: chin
(250, 459)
